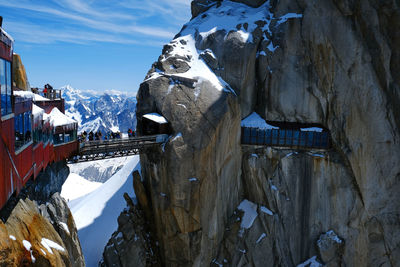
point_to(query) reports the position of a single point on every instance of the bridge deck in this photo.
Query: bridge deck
(103, 149)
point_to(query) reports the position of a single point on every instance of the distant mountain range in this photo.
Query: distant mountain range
(105, 111)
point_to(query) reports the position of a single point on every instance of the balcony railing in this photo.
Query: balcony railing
(52, 94)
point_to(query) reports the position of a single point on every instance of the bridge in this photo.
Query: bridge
(313, 138)
(104, 149)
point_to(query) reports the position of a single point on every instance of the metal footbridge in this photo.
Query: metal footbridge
(112, 148)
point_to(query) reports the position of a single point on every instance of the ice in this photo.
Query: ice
(254, 120)
(155, 117)
(96, 213)
(48, 244)
(250, 213)
(267, 211)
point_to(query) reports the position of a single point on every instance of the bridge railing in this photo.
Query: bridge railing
(286, 138)
(120, 145)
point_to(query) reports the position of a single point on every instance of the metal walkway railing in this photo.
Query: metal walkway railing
(286, 138)
(103, 149)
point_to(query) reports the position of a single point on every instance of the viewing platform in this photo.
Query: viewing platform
(256, 131)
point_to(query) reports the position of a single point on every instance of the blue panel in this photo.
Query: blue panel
(317, 139)
(253, 136)
(302, 139)
(282, 137)
(275, 137)
(268, 135)
(310, 139)
(296, 136)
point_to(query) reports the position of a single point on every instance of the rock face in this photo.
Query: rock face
(131, 243)
(20, 78)
(40, 230)
(335, 63)
(28, 238)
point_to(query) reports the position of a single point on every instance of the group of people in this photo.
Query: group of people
(92, 136)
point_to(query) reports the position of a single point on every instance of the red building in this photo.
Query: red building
(30, 138)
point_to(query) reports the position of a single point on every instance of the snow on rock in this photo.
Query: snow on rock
(262, 236)
(65, 226)
(96, 213)
(48, 244)
(331, 235)
(255, 121)
(312, 262)
(27, 244)
(76, 186)
(266, 210)
(12, 237)
(250, 213)
(155, 117)
(312, 129)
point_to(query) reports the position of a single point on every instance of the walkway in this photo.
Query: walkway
(103, 149)
(286, 137)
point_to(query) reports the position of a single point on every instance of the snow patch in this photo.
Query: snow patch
(48, 244)
(250, 213)
(65, 227)
(155, 117)
(287, 16)
(312, 262)
(312, 129)
(12, 237)
(76, 186)
(96, 213)
(266, 210)
(262, 236)
(255, 121)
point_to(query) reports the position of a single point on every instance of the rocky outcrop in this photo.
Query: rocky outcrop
(39, 229)
(329, 62)
(57, 212)
(27, 238)
(132, 242)
(20, 78)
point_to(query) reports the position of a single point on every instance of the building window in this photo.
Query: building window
(5, 87)
(23, 129)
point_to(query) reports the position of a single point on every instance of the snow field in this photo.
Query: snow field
(96, 213)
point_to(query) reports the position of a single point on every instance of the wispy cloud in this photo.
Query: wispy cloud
(78, 21)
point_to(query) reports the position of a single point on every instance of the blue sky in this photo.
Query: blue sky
(93, 44)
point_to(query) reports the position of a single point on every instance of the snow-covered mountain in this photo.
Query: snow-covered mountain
(107, 111)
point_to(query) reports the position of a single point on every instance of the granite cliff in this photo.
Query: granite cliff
(38, 227)
(335, 63)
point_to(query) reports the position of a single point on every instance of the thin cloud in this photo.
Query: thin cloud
(79, 21)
